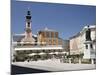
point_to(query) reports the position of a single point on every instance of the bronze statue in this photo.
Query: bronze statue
(88, 34)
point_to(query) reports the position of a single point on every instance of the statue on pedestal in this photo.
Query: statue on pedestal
(88, 34)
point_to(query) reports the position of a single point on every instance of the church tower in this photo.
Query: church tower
(28, 30)
(28, 39)
(28, 22)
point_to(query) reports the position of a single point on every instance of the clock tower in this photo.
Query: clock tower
(28, 22)
(28, 39)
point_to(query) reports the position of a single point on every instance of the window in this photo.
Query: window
(43, 34)
(91, 45)
(54, 42)
(30, 51)
(28, 24)
(52, 34)
(50, 42)
(47, 34)
(56, 34)
(43, 50)
(86, 46)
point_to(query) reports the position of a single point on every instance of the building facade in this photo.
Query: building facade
(45, 45)
(78, 46)
(49, 37)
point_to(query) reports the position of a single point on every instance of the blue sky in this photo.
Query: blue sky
(67, 19)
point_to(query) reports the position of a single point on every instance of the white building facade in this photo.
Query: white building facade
(78, 44)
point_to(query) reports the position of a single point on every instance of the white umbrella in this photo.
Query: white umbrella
(63, 52)
(56, 52)
(51, 53)
(41, 53)
(32, 54)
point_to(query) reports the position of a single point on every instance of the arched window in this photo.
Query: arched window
(28, 24)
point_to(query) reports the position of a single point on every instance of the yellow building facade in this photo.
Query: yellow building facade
(49, 37)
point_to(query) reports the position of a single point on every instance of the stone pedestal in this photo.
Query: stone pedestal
(92, 61)
(89, 53)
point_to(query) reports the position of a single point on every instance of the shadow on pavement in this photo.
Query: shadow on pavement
(23, 70)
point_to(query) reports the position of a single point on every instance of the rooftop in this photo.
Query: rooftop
(47, 29)
(83, 30)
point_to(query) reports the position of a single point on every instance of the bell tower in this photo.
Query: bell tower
(28, 39)
(28, 22)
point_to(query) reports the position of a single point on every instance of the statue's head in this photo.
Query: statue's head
(88, 27)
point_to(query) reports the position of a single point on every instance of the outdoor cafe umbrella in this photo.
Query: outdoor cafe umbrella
(51, 53)
(42, 53)
(32, 54)
(64, 52)
(56, 52)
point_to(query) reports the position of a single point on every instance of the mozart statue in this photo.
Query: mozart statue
(88, 34)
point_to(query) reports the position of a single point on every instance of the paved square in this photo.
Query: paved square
(55, 65)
